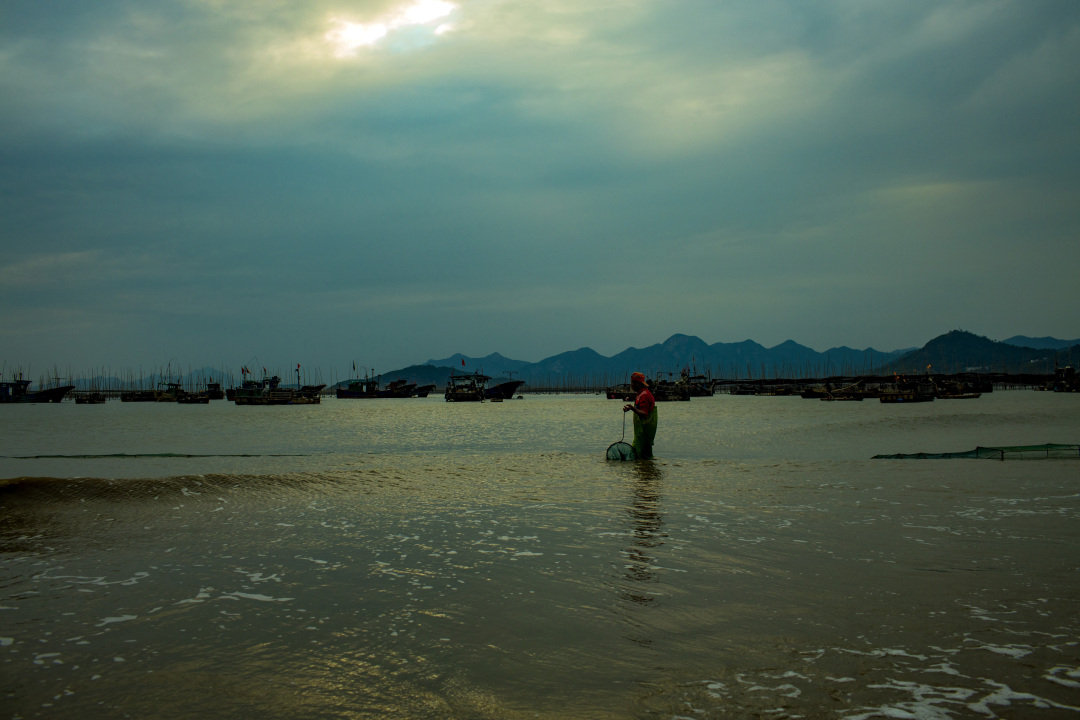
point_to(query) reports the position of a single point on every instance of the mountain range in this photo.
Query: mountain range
(956, 351)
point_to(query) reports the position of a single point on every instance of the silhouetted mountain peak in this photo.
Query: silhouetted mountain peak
(955, 351)
(959, 351)
(1040, 343)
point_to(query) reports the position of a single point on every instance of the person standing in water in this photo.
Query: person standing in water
(644, 409)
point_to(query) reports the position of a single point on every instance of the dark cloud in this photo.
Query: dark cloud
(205, 182)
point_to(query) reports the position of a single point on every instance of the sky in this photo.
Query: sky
(382, 182)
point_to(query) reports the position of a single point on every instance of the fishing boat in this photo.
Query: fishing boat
(503, 390)
(189, 398)
(18, 391)
(270, 392)
(138, 396)
(909, 390)
(465, 388)
(171, 392)
(359, 388)
(905, 396)
(1066, 379)
(953, 389)
(671, 390)
(370, 387)
(700, 385)
(662, 391)
(844, 393)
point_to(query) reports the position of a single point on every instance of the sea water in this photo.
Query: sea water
(422, 559)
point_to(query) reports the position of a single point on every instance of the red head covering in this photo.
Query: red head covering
(638, 377)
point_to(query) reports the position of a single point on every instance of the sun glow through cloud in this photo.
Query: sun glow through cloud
(348, 37)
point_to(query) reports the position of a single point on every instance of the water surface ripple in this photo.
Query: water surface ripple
(419, 559)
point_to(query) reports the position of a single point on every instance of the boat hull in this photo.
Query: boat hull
(18, 392)
(503, 391)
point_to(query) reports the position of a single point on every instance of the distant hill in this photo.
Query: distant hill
(427, 374)
(492, 365)
(956, 351)
(730, 360)
(1041, 343)
(961, 351)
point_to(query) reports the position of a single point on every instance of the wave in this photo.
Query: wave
(84, 488)
(98, 456)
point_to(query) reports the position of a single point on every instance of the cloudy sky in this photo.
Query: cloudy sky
(387, 181)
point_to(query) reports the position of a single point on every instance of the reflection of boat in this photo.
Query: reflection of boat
(465, 388)
(503, 390)
(18, 391)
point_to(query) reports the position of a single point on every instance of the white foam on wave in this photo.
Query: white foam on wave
(930, 702)
(884, 652)
(205, 594)
(258, 577)
(1071, 676)
(254, 596)
(94, 580)
(1005, 695)
(1013, 651)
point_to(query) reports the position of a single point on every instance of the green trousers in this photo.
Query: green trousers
(644, 434)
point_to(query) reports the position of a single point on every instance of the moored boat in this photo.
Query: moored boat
(465, 388)
(138, 396)
(18, 391)
(188, 398)
(270, 392)
(662, 391)
(503, 390)
(371, 387)
(905, 396)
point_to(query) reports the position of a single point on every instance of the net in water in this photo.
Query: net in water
(620, 451)
(1007, 452)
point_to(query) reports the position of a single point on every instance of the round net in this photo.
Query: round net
(620, 451)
